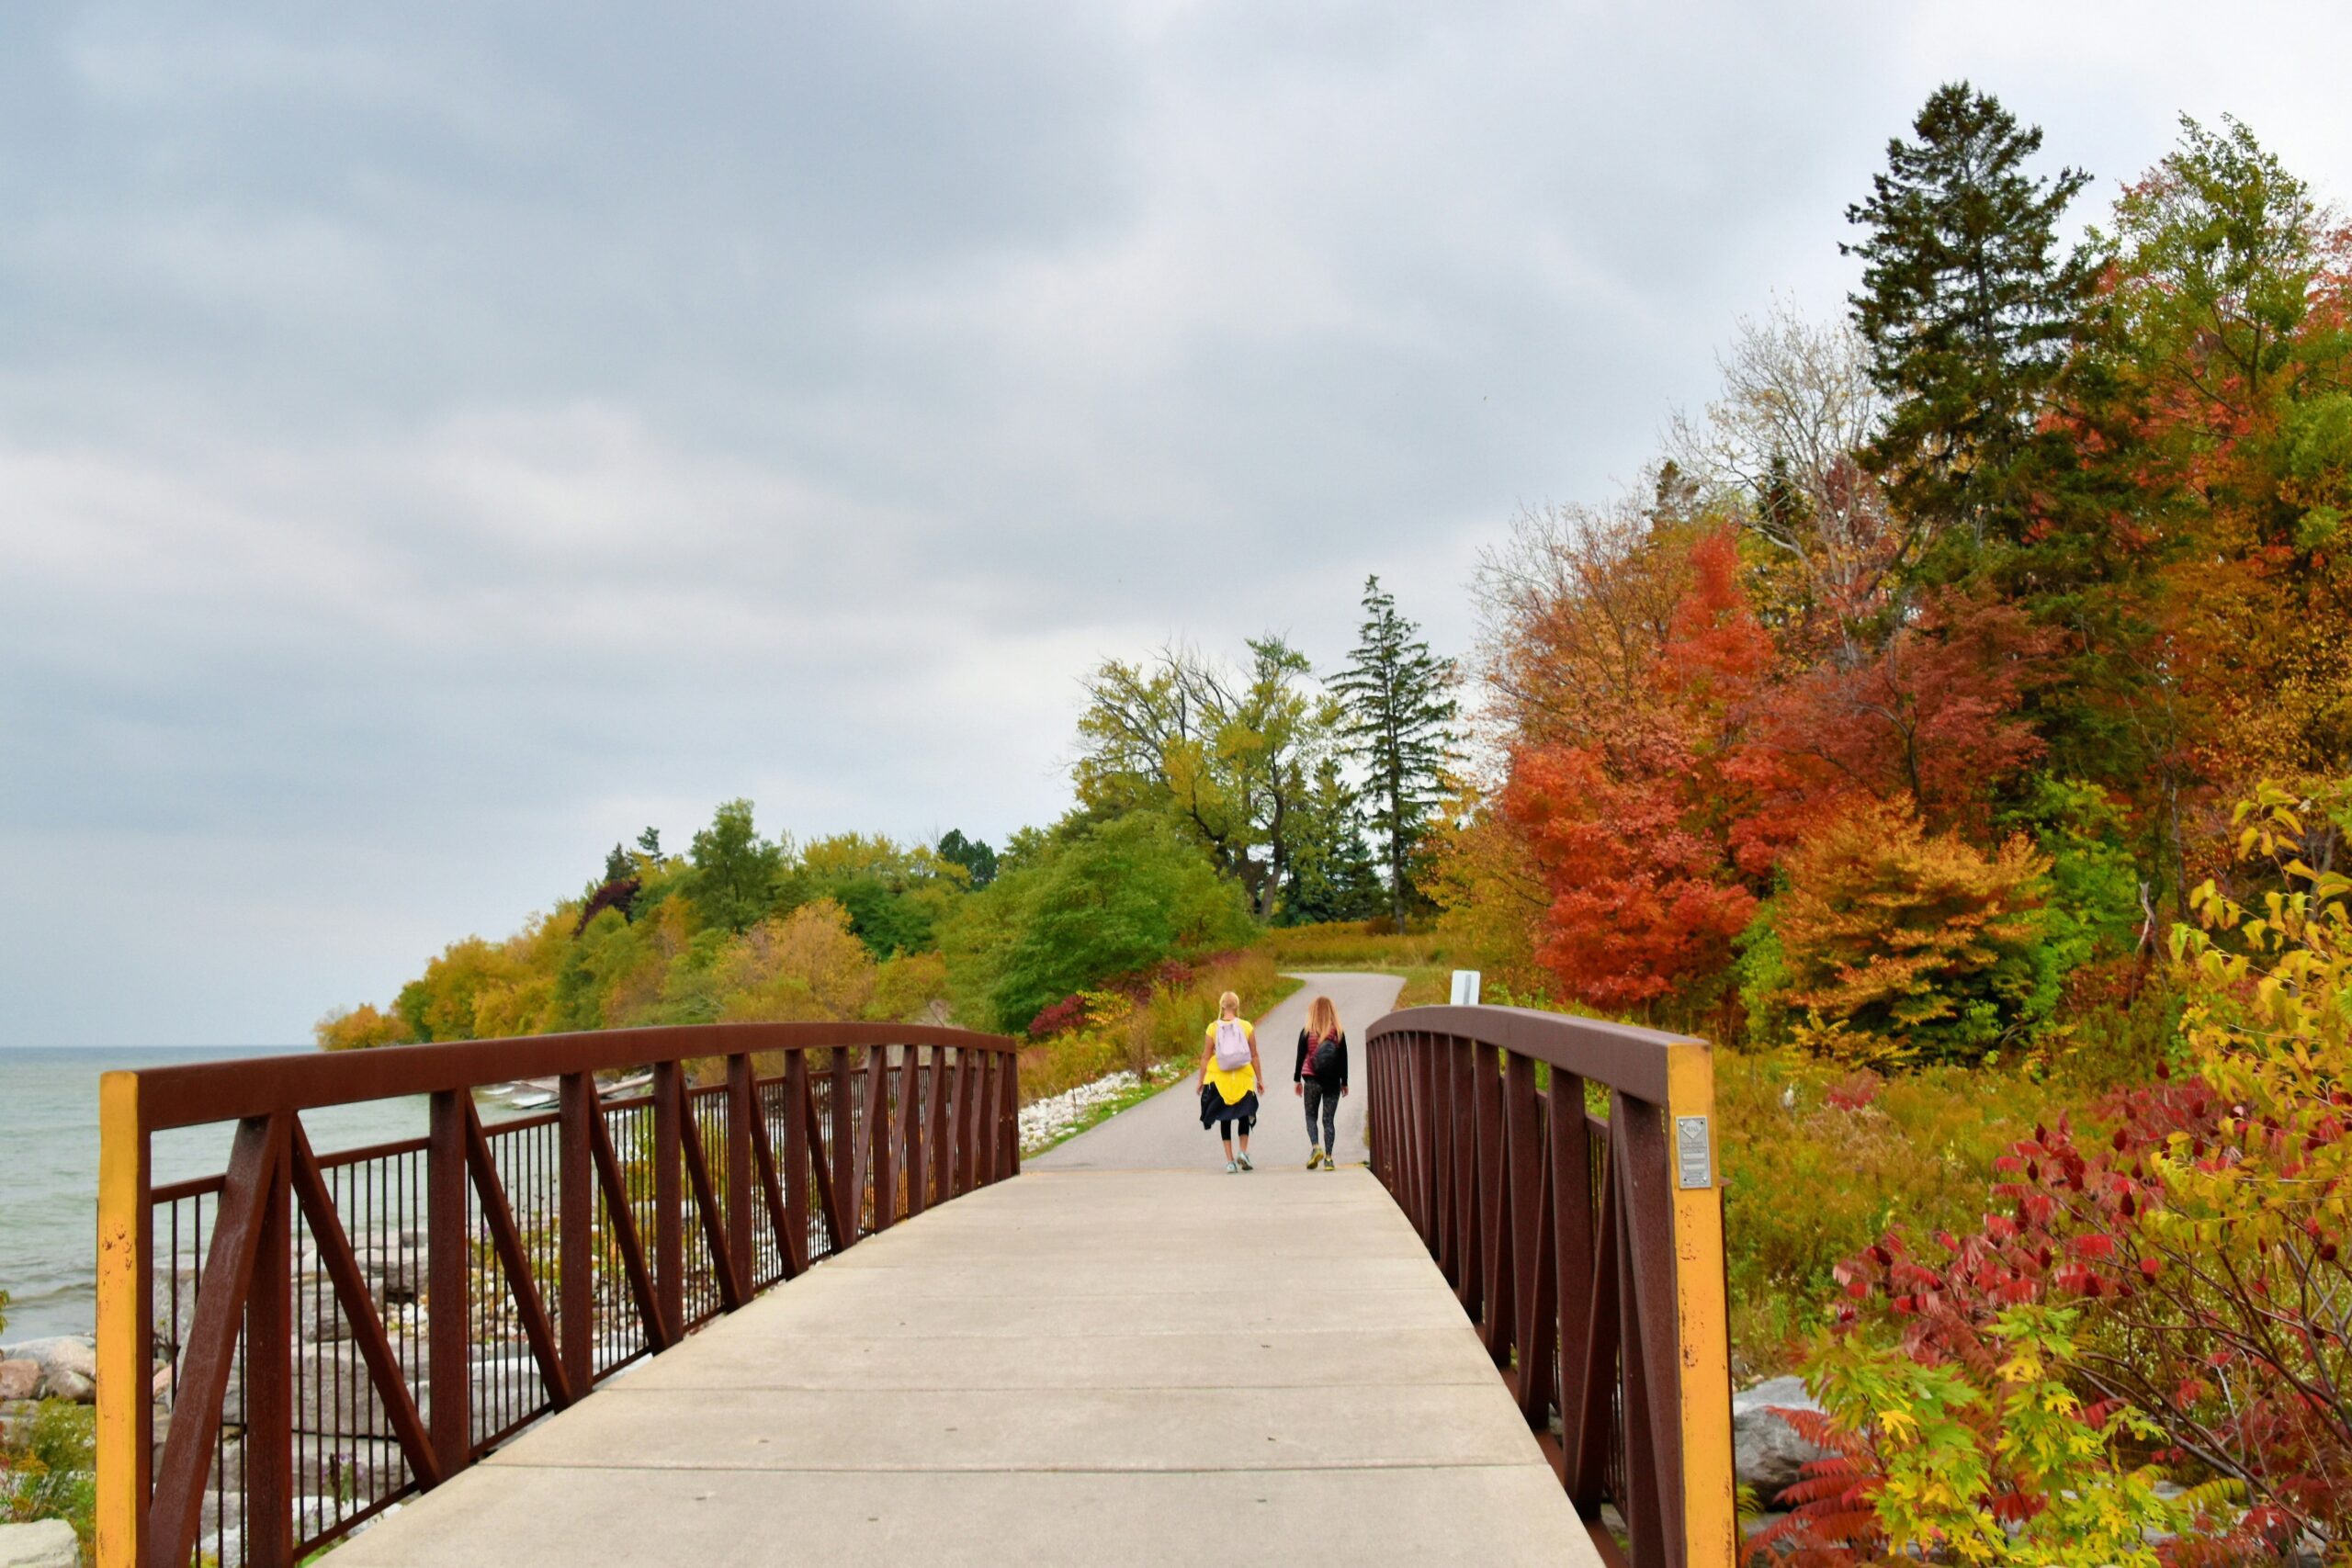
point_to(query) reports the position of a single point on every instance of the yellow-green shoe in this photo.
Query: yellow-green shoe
(1314, 1158)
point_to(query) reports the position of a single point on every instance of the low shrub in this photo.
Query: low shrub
(1818, 1161)
(46, 1467)
(1164, 1026)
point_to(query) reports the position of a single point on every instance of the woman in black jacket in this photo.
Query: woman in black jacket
(1320, 1079)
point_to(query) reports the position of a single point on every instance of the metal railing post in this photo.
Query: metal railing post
(449, 1246)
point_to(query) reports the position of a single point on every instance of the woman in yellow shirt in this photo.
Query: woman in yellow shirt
(1230, 1079)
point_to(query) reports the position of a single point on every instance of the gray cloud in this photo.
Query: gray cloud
(436, 440)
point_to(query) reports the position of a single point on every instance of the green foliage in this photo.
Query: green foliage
(1332, 877)
(1397, 708)
(733, 883)
(2092, 894)
(47, 1467)
(1116, 896)
(1229, 755)
(1965, 303)
(1994, 1465)
(973, 854)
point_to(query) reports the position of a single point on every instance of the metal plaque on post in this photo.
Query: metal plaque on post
(1694, 1157)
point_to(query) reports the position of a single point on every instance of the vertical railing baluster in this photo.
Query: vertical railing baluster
(669, 1197)
(1494, 1210)
(1011, 1113)
(1471, 1258)
(269, 1445)
(742, 1106)
(885, 1160)
(1533, 1319)
(448, 1246)
(910, 1125)
(1441, 1113)
(576, 1231)
(848, 1180)
(1568, 1144)
(959, 1116)
(795, 1158)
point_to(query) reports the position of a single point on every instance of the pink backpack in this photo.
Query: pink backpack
(1232, 1045)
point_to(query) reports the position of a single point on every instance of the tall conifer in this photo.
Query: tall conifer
(1397, 708)
(1966, 303)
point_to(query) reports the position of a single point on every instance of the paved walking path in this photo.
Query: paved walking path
(1165, 1132)
(1078, 1369)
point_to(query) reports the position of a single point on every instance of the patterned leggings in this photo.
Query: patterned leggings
(1327, 1101)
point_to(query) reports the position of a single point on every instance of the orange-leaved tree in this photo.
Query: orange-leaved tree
(1892, 943)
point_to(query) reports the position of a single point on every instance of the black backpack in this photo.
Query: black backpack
(1318, 1053)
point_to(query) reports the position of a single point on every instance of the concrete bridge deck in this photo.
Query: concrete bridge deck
(1096, 1368)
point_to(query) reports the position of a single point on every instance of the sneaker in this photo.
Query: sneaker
(1331, 1164)
(1245, 1163)
(1230, 1167)
(1314, 1158)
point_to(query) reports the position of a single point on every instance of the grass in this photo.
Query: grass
(1354, 944)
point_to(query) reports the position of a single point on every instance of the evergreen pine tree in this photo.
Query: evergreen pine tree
(1331, 876)
(1965, 303)
(1397, 711)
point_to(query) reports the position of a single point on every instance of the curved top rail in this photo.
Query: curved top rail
(203, 1092)
(1638, 1061)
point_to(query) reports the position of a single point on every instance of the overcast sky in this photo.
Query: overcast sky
(438, 440)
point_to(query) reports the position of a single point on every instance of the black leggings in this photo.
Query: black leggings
(1327, 1101)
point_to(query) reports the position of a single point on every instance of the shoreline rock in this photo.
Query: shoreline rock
(45, 1543)
(1767, 1453)
(68, 1365)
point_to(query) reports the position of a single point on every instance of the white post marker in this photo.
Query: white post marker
(1465, 988)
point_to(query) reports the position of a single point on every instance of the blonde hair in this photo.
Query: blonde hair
(1228, 1003)
(1322, 1019)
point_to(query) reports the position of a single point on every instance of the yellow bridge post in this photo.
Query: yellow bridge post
(124, 1394)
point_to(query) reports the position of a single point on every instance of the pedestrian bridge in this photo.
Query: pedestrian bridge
(790, 1300)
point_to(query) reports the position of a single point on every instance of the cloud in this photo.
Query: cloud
(435, 443)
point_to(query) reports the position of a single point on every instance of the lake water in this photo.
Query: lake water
(48, 1169)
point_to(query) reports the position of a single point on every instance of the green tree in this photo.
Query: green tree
(1229, 754)
(973, 854)
(1966, 304)
(733, 883)
(1117, 895)
(1396, 710)
(1332, 873)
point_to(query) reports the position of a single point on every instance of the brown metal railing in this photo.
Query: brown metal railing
(1587, 1249)
(289, 1348)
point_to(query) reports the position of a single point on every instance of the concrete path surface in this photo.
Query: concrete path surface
(1165, 1132)
(1069, 1369)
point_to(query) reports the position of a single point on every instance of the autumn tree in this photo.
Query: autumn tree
(1966, 303)
(1891, 943)
(1626, 815)
(1777, 450)
(1397, 707)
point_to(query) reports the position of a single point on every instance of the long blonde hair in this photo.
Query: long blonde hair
(1322, 1019)
(1228, 1006)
